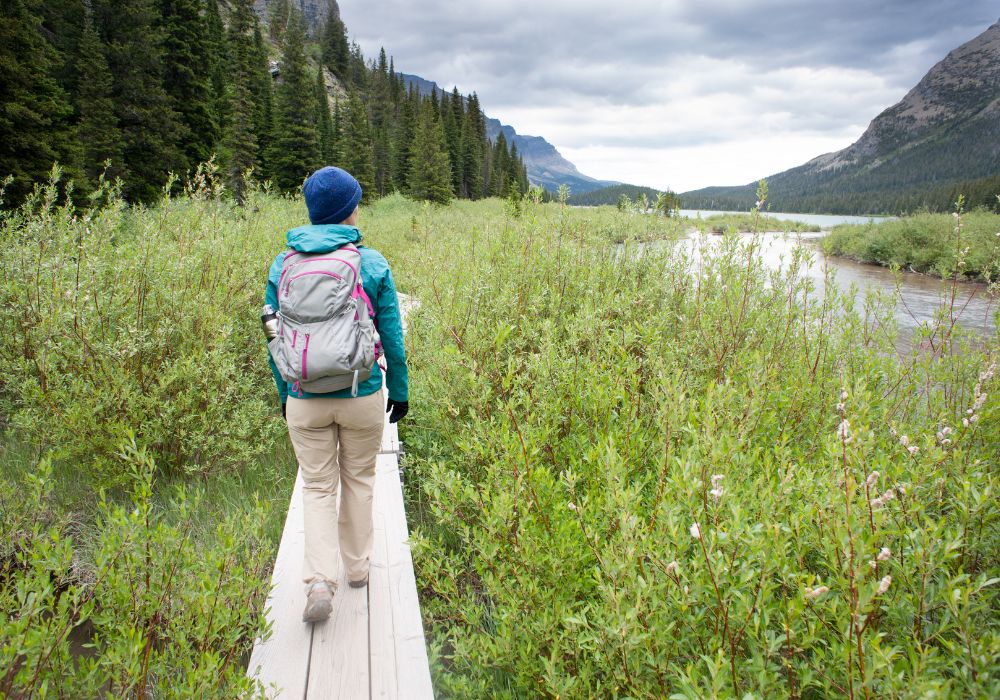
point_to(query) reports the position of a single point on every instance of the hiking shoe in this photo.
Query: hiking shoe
(319, 602)
(358, 584)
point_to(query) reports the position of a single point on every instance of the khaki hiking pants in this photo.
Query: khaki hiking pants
(336, 442)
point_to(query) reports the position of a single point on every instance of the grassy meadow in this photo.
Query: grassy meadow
(630, 473)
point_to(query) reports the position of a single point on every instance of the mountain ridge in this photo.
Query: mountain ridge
(943, 135)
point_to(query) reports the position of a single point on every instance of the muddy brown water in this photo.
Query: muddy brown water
(921, 297)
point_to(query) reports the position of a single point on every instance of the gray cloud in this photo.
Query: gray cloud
(672, 74)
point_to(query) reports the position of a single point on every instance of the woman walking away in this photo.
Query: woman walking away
(330, 312)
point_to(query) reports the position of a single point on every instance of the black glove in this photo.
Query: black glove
(398, 408)
(284, 410)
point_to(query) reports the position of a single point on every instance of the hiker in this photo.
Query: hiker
(323, 356)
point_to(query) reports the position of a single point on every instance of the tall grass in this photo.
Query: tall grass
(638, 474)
(143, 478)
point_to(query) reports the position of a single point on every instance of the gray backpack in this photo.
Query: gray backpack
(326, 333)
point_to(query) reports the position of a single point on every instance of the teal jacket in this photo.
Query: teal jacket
(381, 290)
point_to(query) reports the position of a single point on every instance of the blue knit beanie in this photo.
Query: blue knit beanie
(331, 195)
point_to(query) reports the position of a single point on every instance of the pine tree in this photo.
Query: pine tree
(296, 143)
(62, 25)
(336, 133)
(187, 83)
(452, 116)
(262, 94)
(35, 119)
(336, 51)
(148, 124)
(381, 110)
(324, 125)
(402, 148)
(97, 129)
(241, 139)
(498, 167)
(430, 170)
(357, 153)
(514, 172)
(218, 62)
(473, 144)
(396, 82)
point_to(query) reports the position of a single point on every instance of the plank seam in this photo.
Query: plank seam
(312, 638)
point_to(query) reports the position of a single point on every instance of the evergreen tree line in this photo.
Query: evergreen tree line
(613, 194)
(135, 90)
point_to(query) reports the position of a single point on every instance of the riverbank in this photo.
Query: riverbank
(966, 247)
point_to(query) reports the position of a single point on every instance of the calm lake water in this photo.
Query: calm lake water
(921, 296)
(824, 221)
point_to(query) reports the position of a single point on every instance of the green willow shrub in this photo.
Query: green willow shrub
(121, 319)
(926, 243)
(154, 614)
(665, 471)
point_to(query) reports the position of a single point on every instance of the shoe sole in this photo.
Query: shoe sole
(358, 584)
(317, 612)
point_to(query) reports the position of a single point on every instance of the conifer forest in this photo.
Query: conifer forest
(140, 90)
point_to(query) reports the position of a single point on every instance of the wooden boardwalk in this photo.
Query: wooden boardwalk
(373, 644)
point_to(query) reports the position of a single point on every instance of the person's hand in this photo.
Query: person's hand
(396, 409)
(284, 411)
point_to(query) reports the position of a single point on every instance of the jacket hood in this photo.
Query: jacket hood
(322, 238)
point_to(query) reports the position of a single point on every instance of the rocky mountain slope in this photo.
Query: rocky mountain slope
(314, 11)
(944, 133)
(546, 166)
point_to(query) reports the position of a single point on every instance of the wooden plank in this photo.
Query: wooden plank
(338, 669)
(381, 646)
(390, 438)
(282, 660)
(412, 667)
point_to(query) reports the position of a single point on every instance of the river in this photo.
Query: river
(824, 221)
(920, 295)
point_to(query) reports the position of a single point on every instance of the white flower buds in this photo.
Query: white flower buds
(814, 593)
(883, 499)
(884, 584)
(884, 554)
(695, 531)
(717, 490)
(673, 568)
(872, 478)
(844, 431)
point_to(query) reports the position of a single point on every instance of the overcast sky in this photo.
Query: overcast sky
(675, 94)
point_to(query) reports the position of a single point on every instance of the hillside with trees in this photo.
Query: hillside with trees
(270, 90)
